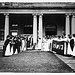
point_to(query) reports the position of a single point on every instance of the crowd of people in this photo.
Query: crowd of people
(70, 43)
(16, 44)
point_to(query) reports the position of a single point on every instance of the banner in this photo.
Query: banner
(58, 46)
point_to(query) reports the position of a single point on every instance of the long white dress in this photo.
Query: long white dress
(69, 51)
(43, 44)
(46, 46)
(7, 52)
(39, 44)
(23, 45)
(16, 52)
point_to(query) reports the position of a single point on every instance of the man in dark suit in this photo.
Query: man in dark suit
(14, 45)
(17, 44)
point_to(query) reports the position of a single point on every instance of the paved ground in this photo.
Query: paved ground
(69, 60)
(34, 62)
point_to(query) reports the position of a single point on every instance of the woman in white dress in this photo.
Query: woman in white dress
(7, 52)
(69, 50)
(39, 44)
(43, 43)
(46, 45)
(22, 49)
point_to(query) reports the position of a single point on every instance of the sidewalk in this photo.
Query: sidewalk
(69, 60)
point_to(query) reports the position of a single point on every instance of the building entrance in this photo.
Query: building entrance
(54, 24)
(21, 23)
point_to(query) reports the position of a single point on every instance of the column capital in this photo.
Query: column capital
(34, 14)
(67, 15)
(40, 15)
(6, 14)
(73, 15)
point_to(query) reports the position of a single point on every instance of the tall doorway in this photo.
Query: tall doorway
(54, 24)
(21, 23)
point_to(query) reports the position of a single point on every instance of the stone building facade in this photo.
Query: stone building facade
(38, 19)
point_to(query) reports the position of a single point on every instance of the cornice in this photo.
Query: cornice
(37, 5)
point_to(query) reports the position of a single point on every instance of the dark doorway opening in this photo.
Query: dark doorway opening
(50, 33)
(54, 24)
(28, 29)
(21, 23)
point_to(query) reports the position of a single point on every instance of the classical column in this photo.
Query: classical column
(40, 29)
(34, 28)
(73, 24)
(6, 29)
(67, 25)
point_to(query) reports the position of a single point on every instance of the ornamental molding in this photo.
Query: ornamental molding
(37, 5)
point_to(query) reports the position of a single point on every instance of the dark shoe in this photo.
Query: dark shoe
(73, 56)
(3, 55)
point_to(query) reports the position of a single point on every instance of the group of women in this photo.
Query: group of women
(70, 43)
(16, 44)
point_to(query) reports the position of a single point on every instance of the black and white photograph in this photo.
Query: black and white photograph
(37, 37)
